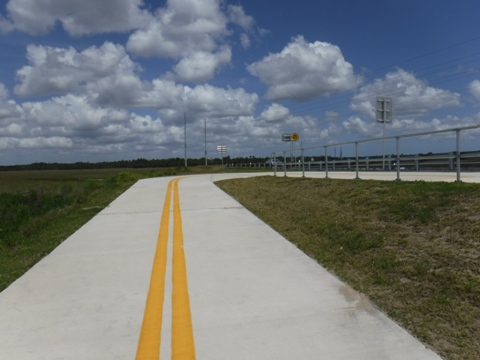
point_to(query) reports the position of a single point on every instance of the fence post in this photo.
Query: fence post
(284, 164)
(303, 163)
(398, 158)
(458, 155)
(274, 156)
(356, 160)
(326, 164)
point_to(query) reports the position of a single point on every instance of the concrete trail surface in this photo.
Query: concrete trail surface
(202, 279)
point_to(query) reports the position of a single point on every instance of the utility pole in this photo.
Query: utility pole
(185, 128)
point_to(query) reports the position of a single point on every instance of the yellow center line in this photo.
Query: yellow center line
(183, 347)
(150, 333)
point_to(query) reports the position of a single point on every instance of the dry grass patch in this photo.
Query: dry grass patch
(412, 247)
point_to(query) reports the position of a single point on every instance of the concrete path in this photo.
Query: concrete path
(467, 177)
(251, 294)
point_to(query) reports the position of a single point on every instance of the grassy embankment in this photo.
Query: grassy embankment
(412, 247)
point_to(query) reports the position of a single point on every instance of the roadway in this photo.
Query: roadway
(178, 269)
(470, 177)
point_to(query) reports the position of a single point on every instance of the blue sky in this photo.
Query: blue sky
(89, 80)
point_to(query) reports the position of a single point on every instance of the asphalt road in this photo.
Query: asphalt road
(178, 269)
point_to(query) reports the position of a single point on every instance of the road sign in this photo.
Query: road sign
(222, 149)
(384, 109)
(286, 137)
(295, 137)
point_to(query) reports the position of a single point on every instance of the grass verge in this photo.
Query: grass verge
(412, 247)
(40, 209)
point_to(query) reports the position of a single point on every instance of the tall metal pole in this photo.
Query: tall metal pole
(185, 128)
(206, 142)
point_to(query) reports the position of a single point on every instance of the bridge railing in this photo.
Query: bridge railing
(451, 161)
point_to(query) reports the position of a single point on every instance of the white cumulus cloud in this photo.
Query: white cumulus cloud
(60, 71)
(212, 102)
(9, 109)
(410, 96)
(474, 88)
(78, 17)
(181, 28)
(303, 71)
(275, 113)
(201, 66)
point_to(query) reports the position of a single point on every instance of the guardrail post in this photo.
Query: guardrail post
(397, 139)
(303, 164)
(326, 164)
(356, 161)
(458, 156)
(274, 156)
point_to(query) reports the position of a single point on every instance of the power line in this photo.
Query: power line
(446, 72)
(428, 54)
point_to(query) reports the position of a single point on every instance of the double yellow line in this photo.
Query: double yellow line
(183, 347)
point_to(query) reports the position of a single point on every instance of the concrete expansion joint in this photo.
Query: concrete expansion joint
(214, 208)
(128, 213)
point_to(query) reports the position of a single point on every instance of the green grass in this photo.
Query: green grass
(412, 247)
(40, 209)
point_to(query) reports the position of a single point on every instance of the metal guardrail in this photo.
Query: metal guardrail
(454, 158)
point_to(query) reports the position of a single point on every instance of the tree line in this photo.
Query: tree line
(131, 164)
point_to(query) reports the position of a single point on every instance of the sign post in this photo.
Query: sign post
(222, 149)
(384, 115)
(290, 138)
